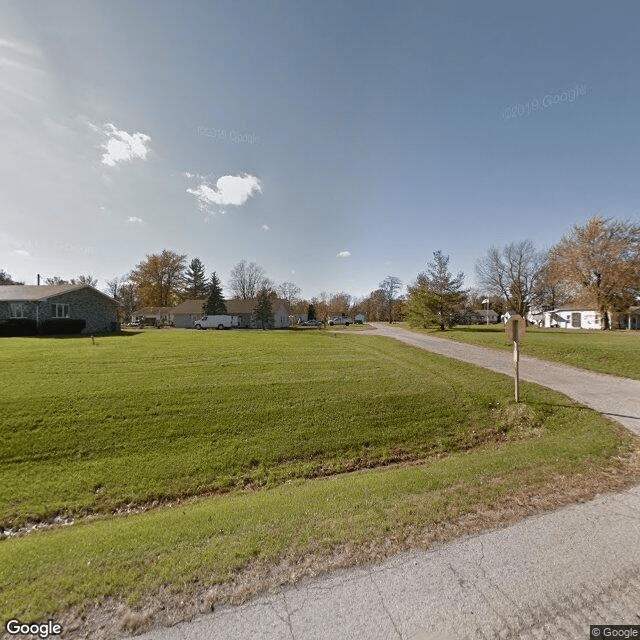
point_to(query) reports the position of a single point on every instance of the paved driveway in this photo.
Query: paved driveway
(618, 398)
(547, 577)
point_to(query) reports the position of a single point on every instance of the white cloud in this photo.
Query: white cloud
(122, 146)
(135, 220)
(22, 253)
(344, 254)
(265, 227)
(21, 48)
(228, 190)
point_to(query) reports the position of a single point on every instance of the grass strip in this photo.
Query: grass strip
(209, 540)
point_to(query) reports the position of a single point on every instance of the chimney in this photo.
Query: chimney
(38, 279)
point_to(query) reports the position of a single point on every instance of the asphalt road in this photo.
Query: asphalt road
(547, 577)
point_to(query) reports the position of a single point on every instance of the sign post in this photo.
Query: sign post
(515, 330)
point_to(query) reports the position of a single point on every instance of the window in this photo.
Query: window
(17, 310)
(60, 310)
(576, 319)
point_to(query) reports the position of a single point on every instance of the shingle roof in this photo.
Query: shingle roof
(189, 306)
(247, 306)
(32, 292)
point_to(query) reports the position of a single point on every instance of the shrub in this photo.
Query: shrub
(61, 325)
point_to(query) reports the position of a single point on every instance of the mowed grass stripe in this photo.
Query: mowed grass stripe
(158, 415)
(206, 541)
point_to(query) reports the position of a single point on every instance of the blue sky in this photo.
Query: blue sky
(332, 143)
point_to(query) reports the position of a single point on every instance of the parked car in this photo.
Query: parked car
(311, 323)
(346, 320)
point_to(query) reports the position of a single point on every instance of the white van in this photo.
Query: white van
(217, 322)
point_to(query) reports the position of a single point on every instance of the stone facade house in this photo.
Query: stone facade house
(50, 302)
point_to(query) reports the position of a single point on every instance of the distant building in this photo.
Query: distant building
(244, 310)
(187, 312)
(154, 316)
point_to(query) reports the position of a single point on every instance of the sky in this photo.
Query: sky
(333, 144)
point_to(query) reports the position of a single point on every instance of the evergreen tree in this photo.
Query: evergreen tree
(311, 312)
(263, 312)
(196, 280)
(437, 296)
(215, 302)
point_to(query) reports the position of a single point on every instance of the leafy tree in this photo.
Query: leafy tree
(374, 307)
(5, 278)
(321, 306)
(437, 296)
(160, 278)
(263, 312)
(389, 287)
(514, 273)
(196, 285)
(339, 303)
(248, 279)
(601, 259)
(215, 302)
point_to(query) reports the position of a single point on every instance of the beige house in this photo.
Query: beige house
(187, 312)
(244, 310)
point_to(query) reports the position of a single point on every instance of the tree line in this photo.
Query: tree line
(597, 264)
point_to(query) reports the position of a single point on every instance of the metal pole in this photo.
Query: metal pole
(487, 310)
(516, 361)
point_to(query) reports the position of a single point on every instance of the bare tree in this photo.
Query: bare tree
(601, 259)
(513, 273)
(248, 279)
(113, 285)
(129, 301)
(290, 292)
(54, 280)
(85, 279)
(389, 287)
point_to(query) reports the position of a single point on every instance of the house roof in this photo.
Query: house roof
(189, 306)
(33, 292)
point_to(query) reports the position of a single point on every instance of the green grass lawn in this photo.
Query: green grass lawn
(613, 352)
(166, 414)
